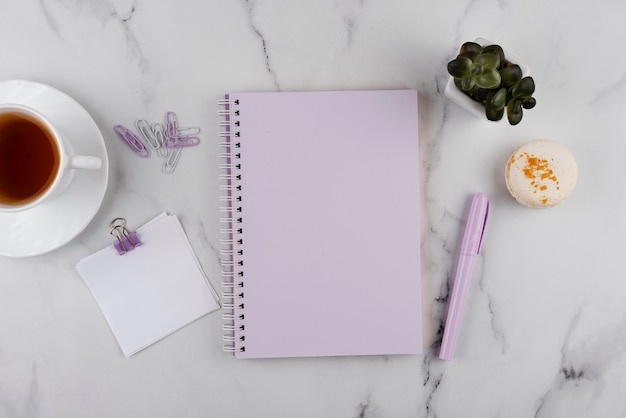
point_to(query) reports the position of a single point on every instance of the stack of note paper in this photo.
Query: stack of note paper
(152, 291)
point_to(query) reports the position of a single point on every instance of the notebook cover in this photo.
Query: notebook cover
(330, 207)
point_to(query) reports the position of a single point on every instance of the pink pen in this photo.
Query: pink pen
(470, 248)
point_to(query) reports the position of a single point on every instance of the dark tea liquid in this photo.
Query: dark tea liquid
(29, 159)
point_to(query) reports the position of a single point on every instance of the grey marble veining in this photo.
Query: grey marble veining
(544, 329)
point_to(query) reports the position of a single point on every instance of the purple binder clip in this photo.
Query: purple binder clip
(126, 241)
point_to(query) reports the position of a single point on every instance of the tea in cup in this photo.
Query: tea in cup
(36, 160)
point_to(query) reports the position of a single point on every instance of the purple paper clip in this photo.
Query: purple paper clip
(133, 141)
(179, 137)
(126, 241)
(171, 125)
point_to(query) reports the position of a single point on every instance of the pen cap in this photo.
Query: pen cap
(475, 227)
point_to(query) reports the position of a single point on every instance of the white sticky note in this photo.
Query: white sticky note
(152, 291)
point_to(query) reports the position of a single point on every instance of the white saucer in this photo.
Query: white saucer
(55, 223)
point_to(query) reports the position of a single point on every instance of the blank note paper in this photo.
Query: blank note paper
(152, 291)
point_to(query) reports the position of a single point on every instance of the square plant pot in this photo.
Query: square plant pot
(477, 108)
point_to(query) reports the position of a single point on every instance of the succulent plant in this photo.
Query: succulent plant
(484, 74)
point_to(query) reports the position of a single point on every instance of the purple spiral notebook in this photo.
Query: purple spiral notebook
(322, 212)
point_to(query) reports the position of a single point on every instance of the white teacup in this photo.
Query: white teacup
(37, 162)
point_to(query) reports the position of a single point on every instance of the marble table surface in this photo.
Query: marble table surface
(544, 332)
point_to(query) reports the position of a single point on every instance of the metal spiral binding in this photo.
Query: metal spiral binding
(232, 227)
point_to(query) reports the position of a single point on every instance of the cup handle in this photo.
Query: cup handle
(83, 161)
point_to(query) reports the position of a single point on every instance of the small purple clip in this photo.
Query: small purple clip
(126, 241)
(171, 125)
(132, 140)
(179, 137)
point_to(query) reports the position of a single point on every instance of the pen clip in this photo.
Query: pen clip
(482, 232)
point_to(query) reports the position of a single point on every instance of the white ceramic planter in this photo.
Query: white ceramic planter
(476, 108)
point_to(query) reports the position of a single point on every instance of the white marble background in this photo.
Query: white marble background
(545, 328)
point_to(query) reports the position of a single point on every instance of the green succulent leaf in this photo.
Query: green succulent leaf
(471, 47)
(494, 114)
(480, 94)
(471, 55)
(491, 61)
(510, 75)
(467, 84)
(476, 69)
(514, 112)
(523, 88)
(496, 50)
(494, 104)
(498, 99)
(529, 103)
(489, 79)
(460, 67)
